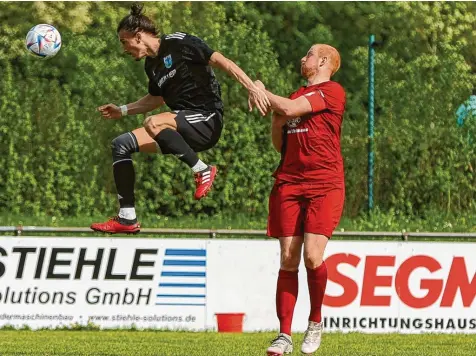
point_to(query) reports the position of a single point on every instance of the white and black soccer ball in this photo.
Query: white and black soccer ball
(43, 41)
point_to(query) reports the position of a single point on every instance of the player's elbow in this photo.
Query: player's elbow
(286, 111)
(289, 110)
(158, 104)
(153, 102)
(151, 107)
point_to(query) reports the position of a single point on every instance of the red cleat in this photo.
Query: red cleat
(114, 226)
(204, 181)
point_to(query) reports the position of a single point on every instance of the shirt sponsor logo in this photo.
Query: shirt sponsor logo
(165, 77)
(297, 130)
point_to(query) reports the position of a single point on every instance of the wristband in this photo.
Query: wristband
(123, 110)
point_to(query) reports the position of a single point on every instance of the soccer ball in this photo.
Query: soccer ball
(43, 41)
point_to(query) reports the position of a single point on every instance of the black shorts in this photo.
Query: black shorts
(201, 130)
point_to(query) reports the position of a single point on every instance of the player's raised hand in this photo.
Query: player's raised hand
(110, 111)
(260, 85)
(257, 97)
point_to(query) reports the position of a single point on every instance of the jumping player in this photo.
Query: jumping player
(178, 67)
(307, 199)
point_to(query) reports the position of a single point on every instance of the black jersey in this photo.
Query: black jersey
(180, 73)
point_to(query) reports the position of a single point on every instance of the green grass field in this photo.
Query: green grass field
(15, 342)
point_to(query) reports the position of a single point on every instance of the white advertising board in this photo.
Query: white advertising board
(407, 287)
(108, 282)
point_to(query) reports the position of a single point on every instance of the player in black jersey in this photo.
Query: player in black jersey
(179, 69)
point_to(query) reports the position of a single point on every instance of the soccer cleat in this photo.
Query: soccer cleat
(114, 226)
(281, 345)
(312, 338)
(204, 181)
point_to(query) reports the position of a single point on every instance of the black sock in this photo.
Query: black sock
(124, 176)
(170, 141)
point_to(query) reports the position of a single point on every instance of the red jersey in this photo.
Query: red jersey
(311, 144)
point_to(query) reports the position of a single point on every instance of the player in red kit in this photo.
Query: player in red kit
(307, 199)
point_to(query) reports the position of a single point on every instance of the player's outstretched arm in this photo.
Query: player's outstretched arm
(293, 107)
(141, 106)
(261, 101)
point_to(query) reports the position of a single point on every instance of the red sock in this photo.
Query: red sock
(286, 296)
(316, 281)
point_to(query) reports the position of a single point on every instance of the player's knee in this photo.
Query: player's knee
(123, 146)
(153, 126)
(148, 122)
(289, 261)
(312, 261)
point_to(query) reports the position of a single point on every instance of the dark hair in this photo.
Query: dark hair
(135, 22)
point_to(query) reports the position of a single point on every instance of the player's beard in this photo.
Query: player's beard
(308, 72)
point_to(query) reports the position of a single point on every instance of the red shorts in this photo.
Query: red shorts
(296, 208)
